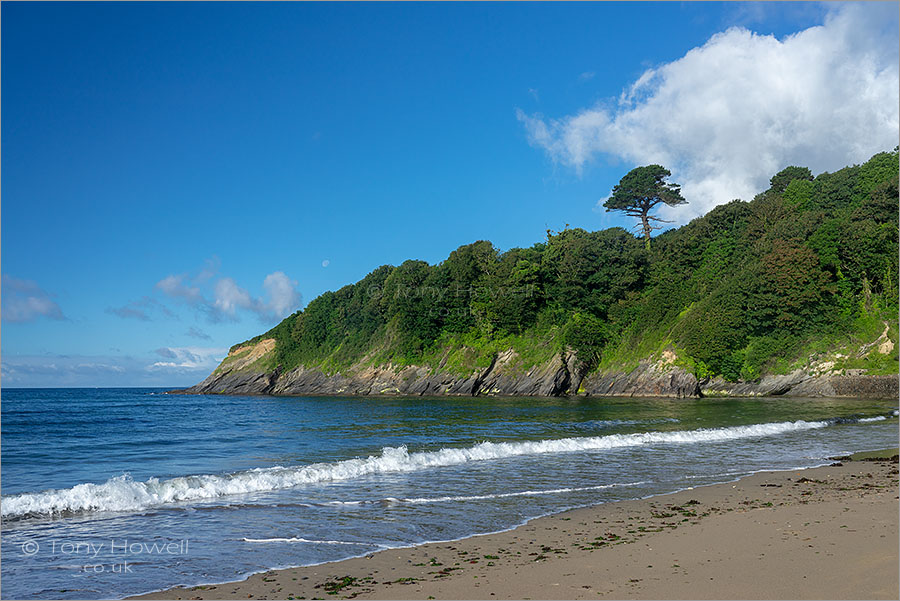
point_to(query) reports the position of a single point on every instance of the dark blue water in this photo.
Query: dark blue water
(199, 489)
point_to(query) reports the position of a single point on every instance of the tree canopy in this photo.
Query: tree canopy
(640, 191)
(737, 291)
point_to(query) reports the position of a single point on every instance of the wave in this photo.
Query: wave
(524, 493)
(505, 495)
(306, 540)
(122, 493)
(614, 423)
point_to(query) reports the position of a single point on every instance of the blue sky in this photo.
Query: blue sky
(177, 177)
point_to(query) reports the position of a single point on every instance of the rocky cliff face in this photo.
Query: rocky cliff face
(802, 384)
(504, 376)
(648, 379)
(240, 373)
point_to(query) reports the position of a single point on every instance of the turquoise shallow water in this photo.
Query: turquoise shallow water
(111, 492)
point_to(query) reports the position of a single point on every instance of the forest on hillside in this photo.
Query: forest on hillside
(809, 264)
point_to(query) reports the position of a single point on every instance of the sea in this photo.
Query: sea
(113, 492)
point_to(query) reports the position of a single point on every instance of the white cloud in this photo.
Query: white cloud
(177, 366)
(730, 114)
(283, 295)
(230, 297)
(281, 291)
(175, 286)
(189, 358)
(24, 300)
(227, 298)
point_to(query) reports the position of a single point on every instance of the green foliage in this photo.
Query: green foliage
(799, 193)
(586, 335)
(591, 270)
(715, 327)
(640, 191)
(782, 180)
(750, 288)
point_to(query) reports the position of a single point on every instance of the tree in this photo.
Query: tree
(783, 178)
(642, 189)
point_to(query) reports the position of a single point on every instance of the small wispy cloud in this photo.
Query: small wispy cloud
(167, 366)
(587, 75)
(25, 300)
(197, 333)
(179, 287)
(188, 358)
(141, 309)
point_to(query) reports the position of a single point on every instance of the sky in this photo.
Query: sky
(178, 177)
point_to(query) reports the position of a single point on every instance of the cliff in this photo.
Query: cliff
(792, 293)
(241, 373)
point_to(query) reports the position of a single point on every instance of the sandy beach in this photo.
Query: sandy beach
(822, 533)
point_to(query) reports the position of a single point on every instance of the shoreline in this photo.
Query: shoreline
(585, 553)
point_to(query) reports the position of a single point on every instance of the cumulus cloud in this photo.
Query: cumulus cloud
(24, 300)
(283, 296)
(728, 115)
(228, 299)
(281, 293)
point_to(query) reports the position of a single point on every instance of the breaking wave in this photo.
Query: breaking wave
(294, 539)
(122, 493)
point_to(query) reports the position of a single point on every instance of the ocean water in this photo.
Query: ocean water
(113, 492)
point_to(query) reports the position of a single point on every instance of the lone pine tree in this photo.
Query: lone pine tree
(640, 191)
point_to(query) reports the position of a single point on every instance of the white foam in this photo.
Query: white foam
(124, 494)
(305, 540)
(524, 493)
(873, 419)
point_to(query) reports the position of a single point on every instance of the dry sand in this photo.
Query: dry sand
(822, 533)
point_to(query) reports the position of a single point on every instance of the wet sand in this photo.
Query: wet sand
(822, 533)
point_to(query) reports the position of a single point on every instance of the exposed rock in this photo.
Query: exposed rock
(883, 344)
(503, 376)
(648, 379)
(801, 384)
(885, 387)
(246, 382)
(767, 386)
(561, 375)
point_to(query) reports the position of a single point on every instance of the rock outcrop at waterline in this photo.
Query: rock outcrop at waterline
(504, 376)
(801, 384)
